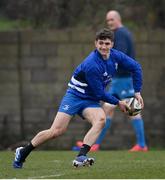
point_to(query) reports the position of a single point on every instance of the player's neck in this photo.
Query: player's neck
(106, 57)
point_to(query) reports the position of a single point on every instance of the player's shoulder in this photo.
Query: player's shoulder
(116, 55)
(90, 61)
(115, 52)
(91, 55)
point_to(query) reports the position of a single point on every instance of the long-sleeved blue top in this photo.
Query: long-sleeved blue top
(91, 77)
(123, 41)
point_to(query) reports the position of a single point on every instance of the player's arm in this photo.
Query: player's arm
(134, 67)
(95, 82)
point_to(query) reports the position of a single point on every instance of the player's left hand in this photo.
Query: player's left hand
(123, 106)
(139, 98)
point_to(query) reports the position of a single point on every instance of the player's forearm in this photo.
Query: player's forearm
(106, 97)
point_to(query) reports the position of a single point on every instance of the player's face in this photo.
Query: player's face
(104, 46)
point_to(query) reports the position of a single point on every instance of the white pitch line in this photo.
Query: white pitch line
(56, 161)
(46, 176)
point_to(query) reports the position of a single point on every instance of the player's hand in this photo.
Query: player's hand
(139, 98)
(123, 106)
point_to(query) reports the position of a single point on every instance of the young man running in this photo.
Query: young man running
(85, 91)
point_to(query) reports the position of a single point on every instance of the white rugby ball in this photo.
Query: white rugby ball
(134, 106)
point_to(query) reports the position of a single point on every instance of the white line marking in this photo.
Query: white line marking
(46, 176)
(56, 161)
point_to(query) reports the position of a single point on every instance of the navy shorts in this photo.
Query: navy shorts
(122, 87)
(72, 104)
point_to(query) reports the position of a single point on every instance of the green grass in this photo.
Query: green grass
(109, 165)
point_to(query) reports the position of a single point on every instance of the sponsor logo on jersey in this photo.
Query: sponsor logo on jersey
(66, 107)
(105, 74)
(116, 66)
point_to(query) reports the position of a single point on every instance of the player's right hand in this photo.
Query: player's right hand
(123, 106)
(139, 98)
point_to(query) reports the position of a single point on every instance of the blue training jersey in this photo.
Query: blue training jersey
(91, 77)
(123, 41)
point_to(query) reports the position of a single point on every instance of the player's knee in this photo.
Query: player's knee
(56, 132)
(109, 109)
(100, 123)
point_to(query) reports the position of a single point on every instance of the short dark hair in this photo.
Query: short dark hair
(105, 34)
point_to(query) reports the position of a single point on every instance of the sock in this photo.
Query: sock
(104, 130)
(26, 151)
(84, 150)
(139, 130)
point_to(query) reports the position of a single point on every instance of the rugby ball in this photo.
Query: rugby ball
(134, 106)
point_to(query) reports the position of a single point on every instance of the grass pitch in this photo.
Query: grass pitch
(108, 165)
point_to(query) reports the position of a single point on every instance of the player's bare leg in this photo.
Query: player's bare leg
(96, 117)
(58, 127)
(109, 111)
